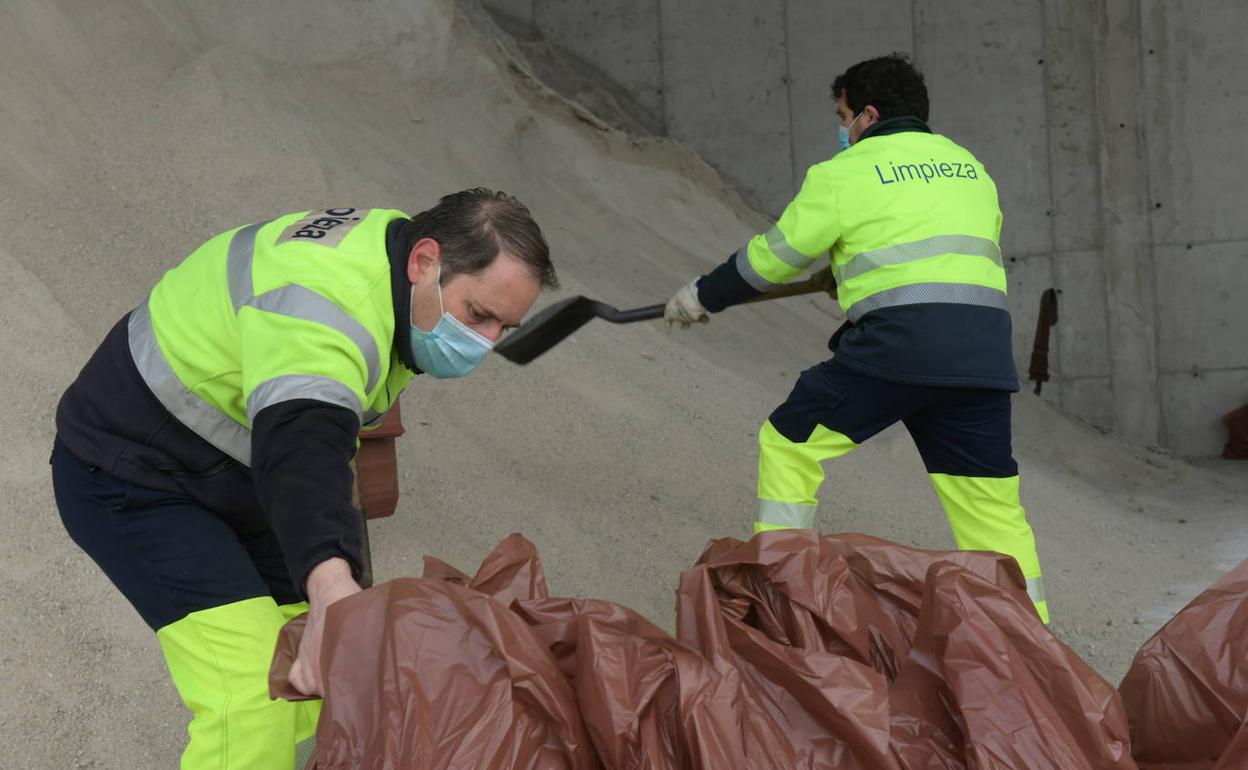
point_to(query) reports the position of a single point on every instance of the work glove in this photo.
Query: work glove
(684, 308)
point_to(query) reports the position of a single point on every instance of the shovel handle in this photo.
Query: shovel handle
(647, 313)
(820, 281)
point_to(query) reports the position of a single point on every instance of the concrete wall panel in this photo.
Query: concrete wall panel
(1129, 275)
(1071, 97)
(1081, 331)
(1090, 399)
(824, 40)
(1192, 409)
(1193, 55)
(1202, 306)
(985, 74)
(629, 55)
(724, 65)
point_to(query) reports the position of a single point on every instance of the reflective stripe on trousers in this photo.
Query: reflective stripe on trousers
(219, 659)
(789, 475)
(213, 425)
(984, 513)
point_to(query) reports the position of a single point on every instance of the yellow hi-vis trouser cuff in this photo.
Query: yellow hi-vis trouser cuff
(790, 474)
(986, 514)
(219, 659)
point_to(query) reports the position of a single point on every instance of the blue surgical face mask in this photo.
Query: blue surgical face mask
(844, 133)
(452, 349)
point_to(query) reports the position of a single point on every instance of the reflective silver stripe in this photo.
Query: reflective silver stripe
(238, 264)
(779, 246)
(1035, 589)
(238, 268)
(296, 301)
(303, 752)
(776, 513)
(919, 293)
(291, 386)
(748, 272)
(916, 250)
(209, 423)
(371, 419)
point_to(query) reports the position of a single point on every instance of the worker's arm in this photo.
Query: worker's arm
(806, 230)
(308, 366)
(301, 461)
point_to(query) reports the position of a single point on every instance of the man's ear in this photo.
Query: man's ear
(873, 115)
(424, 259)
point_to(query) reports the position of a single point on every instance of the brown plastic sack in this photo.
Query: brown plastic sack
(647, 701)
(819, 625)
(1236, 434)
(795, 650)
(423, 674)
(378, 465)
(849, 594)
(1013, 695)
(1186, 693)
(651, 702)
(510, 572)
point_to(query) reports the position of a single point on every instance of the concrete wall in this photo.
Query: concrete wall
(1192, 52)
(1113, 128)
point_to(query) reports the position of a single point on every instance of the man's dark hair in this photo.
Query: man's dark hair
(889, 83)
(474, 226)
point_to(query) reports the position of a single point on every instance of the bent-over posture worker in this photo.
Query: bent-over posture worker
(203, 454)
(912, 225)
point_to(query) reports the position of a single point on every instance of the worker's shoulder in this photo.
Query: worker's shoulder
(334, 227)
(341, 250)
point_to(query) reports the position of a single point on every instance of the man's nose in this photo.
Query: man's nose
(492, 332)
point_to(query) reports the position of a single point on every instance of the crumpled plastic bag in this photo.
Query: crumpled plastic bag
(793, 650)
(1186, 692)
(892, 657)
(1236, 434)
(647, 700)
(1012, 695)
(427, 674)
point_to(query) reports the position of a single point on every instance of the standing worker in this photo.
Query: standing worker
(912, 225)
(203, 455)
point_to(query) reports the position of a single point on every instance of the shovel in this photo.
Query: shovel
(555, 323)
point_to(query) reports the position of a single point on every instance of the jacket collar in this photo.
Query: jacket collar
(398, 248)
(895, 125)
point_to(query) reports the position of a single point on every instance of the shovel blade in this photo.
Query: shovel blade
(547, 329)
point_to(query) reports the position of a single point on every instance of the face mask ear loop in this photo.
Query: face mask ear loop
(855, 120)
(441, 307)
(411, 297)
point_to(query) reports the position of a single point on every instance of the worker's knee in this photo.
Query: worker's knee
(219, 659)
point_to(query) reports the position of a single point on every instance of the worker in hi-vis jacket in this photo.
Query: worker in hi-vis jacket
(912, 226)
(203, 455)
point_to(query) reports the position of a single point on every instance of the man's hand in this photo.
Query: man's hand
(328, 582)
(684, 308)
